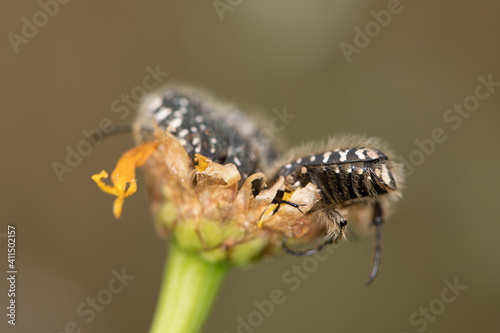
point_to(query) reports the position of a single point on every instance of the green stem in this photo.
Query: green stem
(188, 290)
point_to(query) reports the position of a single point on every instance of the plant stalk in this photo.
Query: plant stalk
(189, 288)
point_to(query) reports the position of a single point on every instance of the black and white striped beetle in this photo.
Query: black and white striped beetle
(216, 130)
(354, 174)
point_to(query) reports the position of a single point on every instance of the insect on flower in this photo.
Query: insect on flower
(314, 191)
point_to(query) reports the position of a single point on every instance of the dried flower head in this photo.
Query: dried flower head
(202, 206)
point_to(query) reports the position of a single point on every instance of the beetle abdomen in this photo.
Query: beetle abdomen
(343, 174)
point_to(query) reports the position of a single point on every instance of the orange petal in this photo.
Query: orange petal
(124, 174)
(104, 187)
(118, 206)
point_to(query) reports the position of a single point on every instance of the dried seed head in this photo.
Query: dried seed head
(201, 205)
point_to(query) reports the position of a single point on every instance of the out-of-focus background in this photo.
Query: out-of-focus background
(397, 79)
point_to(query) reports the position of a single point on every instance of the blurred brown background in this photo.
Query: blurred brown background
(263, 54)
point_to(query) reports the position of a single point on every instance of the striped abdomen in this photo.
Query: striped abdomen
(343, 174)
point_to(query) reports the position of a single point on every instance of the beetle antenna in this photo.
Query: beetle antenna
(119, 129)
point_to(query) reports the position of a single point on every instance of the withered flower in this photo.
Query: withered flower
(201, 205)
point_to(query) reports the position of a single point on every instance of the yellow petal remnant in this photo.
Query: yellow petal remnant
(287, 196)
(202, 162)
(273, 208)
(269, 212)
(124, 174)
